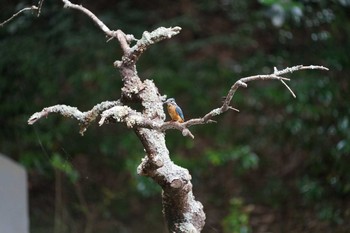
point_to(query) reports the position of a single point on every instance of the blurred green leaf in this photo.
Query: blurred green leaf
(245, 158)
(237, 221)
(65, 167)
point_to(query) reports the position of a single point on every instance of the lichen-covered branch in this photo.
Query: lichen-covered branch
(149, 38)
(84, 118)
(276, 75)
(139, 121)
(132, 54)
(182, 212)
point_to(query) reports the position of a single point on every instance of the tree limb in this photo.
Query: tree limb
(183, 127)
(84, 118)
(100, 24)
(134, 119)
(139, 121)
(182, 212)
(31, 8)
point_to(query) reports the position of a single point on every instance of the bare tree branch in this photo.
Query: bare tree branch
(84, 118)
(40, 6)
(123, 39)
(134, 119)
(31, 8)
(100, 24)
(182, 212)
(226, 104)
(132, 54)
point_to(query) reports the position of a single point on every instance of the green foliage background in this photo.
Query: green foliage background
(280, 165)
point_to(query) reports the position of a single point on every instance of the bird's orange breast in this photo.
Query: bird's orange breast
(173, 114)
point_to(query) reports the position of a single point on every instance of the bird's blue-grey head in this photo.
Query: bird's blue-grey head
(170, 101)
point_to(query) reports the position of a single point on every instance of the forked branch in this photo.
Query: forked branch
(182, 212)
(276, 75)
(134, 119)
(84, 118)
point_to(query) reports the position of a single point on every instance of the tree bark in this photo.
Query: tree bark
(182, 212)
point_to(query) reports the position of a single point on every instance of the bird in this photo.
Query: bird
(174, 110)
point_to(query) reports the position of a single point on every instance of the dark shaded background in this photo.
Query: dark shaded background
(280, 165)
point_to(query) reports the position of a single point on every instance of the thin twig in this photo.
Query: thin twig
(32, 8)
(134, 119)
(40, 5)
(91, 15)
(290, 90)
(241, 83)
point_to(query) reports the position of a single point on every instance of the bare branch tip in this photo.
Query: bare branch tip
(117, 63)
(102, 121)
(36, 116)
(289, 89)
(234, 109)
(243, 84)
(323, 68)
(32, 120)
(82, 131)
(109, 39)
(312, 67)
(130, 37)
(211, 121)
(177, 29)
(187, 132)
(33, 7)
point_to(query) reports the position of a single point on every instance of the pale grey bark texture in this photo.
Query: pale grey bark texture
(182, 212)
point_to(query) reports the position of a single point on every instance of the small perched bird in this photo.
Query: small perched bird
(174, 110)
